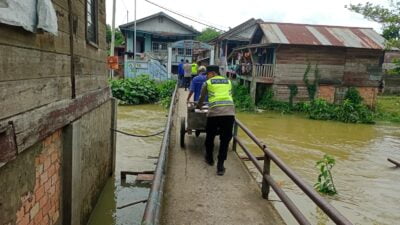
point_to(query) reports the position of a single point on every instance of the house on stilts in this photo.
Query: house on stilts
(278, 55)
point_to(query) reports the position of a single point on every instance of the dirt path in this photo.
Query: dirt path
(194, 194)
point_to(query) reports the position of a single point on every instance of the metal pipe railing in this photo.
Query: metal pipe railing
(151, 214)
(281, 194)
(329, 210)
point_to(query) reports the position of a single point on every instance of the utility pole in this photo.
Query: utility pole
(134, 41)
(127, 16)
(113, 35)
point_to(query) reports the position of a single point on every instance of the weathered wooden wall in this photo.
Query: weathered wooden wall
(392, 84)
(292, 61)
(389, 57)
(337, 66)
(41, 73)
(356, 67)
(47, 83)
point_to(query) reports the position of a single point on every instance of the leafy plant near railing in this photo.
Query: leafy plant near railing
(166, 90)
(141, 90)
(325, 180)
(293, 92)
(312, 87)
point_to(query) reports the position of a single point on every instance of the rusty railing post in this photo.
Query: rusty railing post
(266, 172)
(235, 131)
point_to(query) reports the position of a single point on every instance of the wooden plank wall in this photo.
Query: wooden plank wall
(35, 73)
(291, 63)
(357, 62)
(335, 63)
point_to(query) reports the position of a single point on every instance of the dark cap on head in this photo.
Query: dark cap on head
(213, 68)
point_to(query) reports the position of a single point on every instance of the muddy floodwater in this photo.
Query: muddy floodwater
(133, 154)
(368, 185)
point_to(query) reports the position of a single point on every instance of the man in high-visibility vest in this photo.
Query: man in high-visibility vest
(195, 68)
(220, 117)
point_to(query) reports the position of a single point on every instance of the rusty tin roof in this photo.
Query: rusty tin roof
(306, 34)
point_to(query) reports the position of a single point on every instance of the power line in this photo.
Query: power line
(127, 11)
(179, 14)
(123, 2)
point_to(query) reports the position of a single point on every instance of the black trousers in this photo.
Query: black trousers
(187, 81)
(224, 126)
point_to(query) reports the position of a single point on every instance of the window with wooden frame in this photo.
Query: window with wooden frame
(181, 51)
(188, 52)
(92, 22)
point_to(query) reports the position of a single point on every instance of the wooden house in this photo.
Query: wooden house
(279, 54)
(155, 32)
(391, 79)
(56, 111)
(233, 38)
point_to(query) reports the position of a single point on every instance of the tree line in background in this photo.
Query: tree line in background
(389, 18)
(119, 37)
(208, 34)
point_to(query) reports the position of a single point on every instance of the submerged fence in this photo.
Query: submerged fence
(269, 182)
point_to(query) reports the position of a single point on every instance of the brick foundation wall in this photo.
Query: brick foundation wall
(42, 206)
(369, 95)
(327, 93)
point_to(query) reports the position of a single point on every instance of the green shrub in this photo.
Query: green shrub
(302, 107)
(166, 89)
(346, 112)
(269, 103)
(349, 112)
(141, 90)
(321, 110)
(242, 98)
(353, 96)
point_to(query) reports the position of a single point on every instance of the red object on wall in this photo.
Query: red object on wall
(112, 62)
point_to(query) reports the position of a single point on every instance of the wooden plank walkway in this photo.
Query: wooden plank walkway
(194, 194)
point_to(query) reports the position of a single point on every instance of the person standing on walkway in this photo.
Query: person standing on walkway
(197, 84)
(220, 117)
(195, 68)
(181, 73)
(187, 74)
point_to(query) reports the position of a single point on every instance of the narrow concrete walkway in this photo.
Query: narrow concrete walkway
(194, 194)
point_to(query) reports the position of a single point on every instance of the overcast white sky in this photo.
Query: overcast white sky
(229, 13)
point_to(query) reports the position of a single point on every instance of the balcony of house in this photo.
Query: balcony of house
(254, 63)
(261, 73)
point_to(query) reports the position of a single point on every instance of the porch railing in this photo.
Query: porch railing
(264, 70)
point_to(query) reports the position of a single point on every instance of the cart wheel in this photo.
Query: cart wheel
(183, 131)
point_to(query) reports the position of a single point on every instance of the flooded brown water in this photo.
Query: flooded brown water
(368, 185)
(133, 154)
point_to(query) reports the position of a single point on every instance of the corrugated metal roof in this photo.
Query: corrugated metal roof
(306, 34)
(242, 32)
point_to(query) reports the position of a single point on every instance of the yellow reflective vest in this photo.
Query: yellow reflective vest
(219, 91)
(194, 68)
